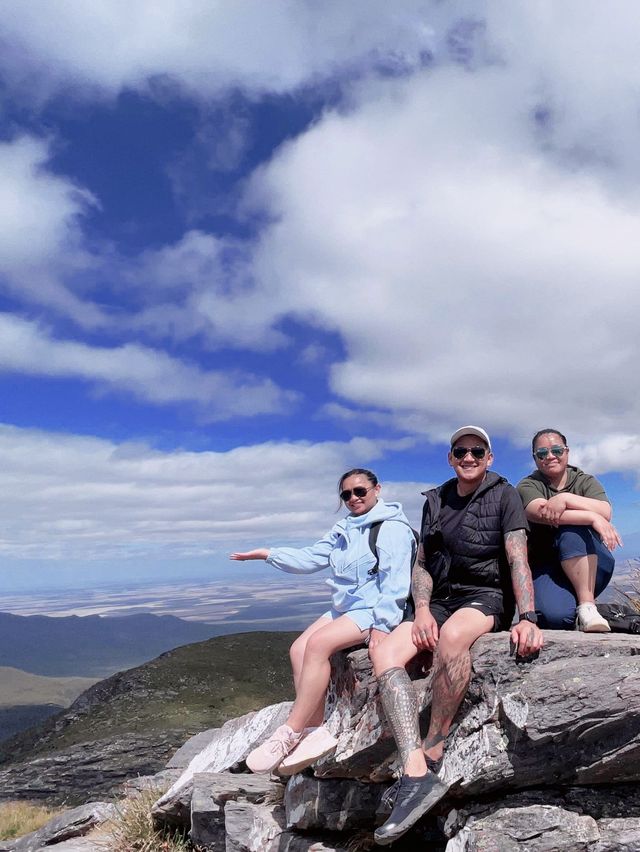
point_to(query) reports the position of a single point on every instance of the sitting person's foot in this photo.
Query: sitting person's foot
(589, 620)
(415, 797)
(272, 752)
(388, 798)
(319, 743)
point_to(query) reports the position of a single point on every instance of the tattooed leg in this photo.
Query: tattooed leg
(452, 673)
(401, 709)
(449, 685)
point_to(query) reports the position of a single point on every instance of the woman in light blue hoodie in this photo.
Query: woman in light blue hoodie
(369, 592)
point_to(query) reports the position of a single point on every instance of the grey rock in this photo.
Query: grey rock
(160, 782)
(331, 804)
(193, 746)
(262, 828)
(602, 803)
(71, 824)
(545, 828)
(354, 715)
(618, 835)
(570, 717)
(537, 828)
(228, 745)
(211, 792)
(207, 819)
(80, 772)
(81, 844)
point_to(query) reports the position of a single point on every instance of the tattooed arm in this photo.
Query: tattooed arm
(525, 635)
(424, 633)
(421, 580)
(515, 543)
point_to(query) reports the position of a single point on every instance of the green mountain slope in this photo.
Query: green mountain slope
(183, 691)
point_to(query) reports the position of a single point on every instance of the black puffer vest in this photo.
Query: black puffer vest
(481, 556)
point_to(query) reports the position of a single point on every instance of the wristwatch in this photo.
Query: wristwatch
(529, 616)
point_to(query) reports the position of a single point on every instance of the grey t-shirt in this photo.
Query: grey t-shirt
(535, 486)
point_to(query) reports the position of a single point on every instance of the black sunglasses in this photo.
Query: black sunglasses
(358, 491)
(556, 451)
(460, 452)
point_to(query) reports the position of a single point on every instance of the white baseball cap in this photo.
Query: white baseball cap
(471, 430)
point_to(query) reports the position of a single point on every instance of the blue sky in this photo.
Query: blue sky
(247, 246)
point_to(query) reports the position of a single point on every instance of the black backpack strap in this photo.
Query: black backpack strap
(374, 532)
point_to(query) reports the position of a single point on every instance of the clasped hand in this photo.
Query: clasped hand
(552, 509)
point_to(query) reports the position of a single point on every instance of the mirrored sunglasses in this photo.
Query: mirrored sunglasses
(556, 451)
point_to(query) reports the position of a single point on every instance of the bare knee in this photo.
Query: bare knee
(318, 647)
(393, 652)
(453, 641)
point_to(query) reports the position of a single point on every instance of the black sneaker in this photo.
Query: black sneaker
(388, 798)
(415, 797)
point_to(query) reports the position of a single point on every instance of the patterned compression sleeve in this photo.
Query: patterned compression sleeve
(401, 709)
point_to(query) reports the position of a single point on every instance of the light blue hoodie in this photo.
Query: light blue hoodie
(345, 550)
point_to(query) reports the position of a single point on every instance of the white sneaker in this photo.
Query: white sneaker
(267, 756)
(319, 743)
(589, 620)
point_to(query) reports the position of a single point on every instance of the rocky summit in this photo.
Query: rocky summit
(544, 757)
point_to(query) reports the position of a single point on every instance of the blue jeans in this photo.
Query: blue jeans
(555, 598)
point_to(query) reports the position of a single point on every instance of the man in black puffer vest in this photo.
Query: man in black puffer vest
(470, 572)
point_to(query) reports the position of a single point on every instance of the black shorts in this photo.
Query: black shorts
(487, 601)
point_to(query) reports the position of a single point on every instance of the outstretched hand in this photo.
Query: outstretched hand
(259, 553)
(527, 638)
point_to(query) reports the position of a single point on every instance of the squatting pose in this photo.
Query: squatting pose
(571, 537)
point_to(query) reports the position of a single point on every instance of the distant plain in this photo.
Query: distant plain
(272, 602)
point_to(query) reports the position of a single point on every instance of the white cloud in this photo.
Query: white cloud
(579, 62)
(470, 275)
(72, 497)
(147, 374)
(615, 452)
(41, 239)
(112, 44)
(478, 264)
(197, 288)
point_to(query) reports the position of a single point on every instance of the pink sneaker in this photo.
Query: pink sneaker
(319, 743)
(267, 756)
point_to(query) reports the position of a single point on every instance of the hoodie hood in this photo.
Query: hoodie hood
(380, 512)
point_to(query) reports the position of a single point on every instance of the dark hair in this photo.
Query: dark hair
(546, 432)
(357, 471)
